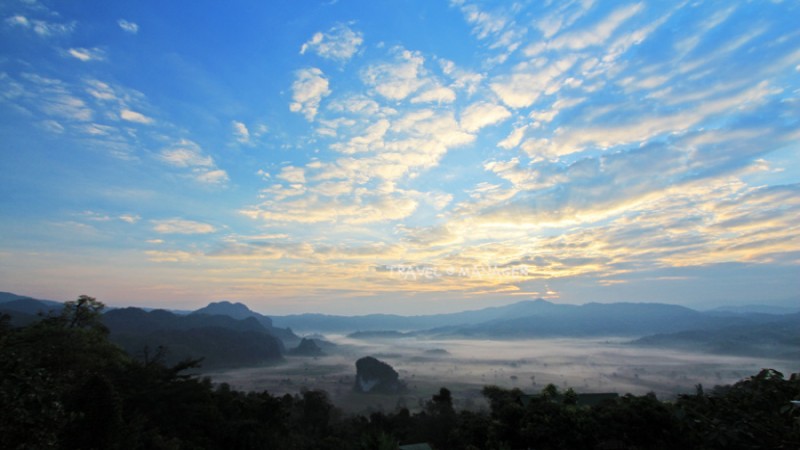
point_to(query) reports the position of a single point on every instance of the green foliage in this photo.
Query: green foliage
(753, 413)
(63, 385)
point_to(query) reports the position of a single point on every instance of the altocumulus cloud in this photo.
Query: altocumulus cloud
(181, 226)
(308, 89)
(339, 43)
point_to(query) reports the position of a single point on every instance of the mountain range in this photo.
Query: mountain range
(722, 330)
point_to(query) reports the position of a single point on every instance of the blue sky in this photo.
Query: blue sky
(400, 156)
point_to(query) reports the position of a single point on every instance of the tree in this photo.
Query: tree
(84, 313)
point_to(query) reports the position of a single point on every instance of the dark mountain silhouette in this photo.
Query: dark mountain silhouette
(591, 319)
(375, 376)
(746, 331)
(28, 306)
(535, 318)
(6, 297)
(25, 310)
(137, 321)
(241, 311)
(379, 334)
(220, 340)
(334, 323)
(307, 347)
(235, 310)
(755, 309)
(778, 338)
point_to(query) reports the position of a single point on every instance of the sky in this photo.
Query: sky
(413, 156)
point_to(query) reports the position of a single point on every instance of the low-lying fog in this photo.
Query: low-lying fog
(465, 366)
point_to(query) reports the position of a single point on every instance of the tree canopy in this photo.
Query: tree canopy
(64, 385)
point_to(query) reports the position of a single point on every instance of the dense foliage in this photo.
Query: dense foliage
(63, 385)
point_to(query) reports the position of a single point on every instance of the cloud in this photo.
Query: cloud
(133, 116)
(52, 126)
(292, 174)
(128, 27)
(363, 209)
(438, 94)
(215, 176)
(371, 139)
(54, 98)
(130, 218)
(308, 89)
(41, 27)
(481, 114)
(398, 79)
(497, 26)
(597, 35)
(171, 255)
(484, 23)
(462, 79)
(19, 21)
(514, 138)
(187, 154)
(529, 81)
(642, 129)
(87, 54)
(101, 90)
(181, 226)
(241, 132)
(340, 43)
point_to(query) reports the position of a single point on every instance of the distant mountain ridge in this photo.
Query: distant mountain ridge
(235, 310)
(220, 340)
(718, 330)
(336, 323)
(532, 318)
(241, 311)
(7, 298)
(779, 337)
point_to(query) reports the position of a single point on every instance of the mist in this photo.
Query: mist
(464, 366)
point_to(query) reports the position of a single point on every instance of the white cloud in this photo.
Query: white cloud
(128, 27)
(129, 218)
(186, 154)
(100, 90)
(216, 176)
(40, 27)
(573, 140)
(340, 43)
(308, 89)
(68, 107)
(18, 20)
(133, 116)
(438, 94)
(398, 79)
(498, 26)
(181, 226)
(292, 174)
(481, 114)
(370, 139)
(241, 132)
(52, 126)
(514, 138)
(598, 34)
(87, 54)
(364, 209)
(462, 79)
(484, 23)
(529, 81)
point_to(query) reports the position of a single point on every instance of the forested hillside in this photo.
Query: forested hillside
(64, 385)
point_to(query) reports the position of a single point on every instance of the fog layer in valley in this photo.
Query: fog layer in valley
(465, 366)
